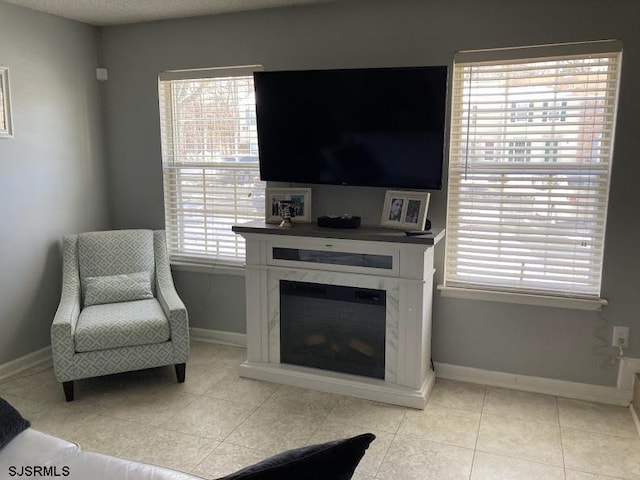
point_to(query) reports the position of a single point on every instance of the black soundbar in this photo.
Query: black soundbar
(339, 221)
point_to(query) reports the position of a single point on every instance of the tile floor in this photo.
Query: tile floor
(216, 423)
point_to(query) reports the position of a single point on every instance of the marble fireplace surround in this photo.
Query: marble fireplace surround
(408, 285)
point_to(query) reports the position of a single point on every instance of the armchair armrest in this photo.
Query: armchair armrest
(66, 317)
(171, 303)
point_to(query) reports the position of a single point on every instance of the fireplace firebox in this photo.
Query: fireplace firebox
(333, 327)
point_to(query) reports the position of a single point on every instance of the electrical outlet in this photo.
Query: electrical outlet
(620, 337)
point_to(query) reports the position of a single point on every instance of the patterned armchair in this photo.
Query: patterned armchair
(119, 310)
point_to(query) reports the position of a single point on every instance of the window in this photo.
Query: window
(209, 162)
(519, 151)
(521, 112)
(530, 218)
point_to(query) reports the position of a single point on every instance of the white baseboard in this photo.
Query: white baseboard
(561, 388)
(635, 417)
(550, 386)
(627, 368)
(18, 365)
(219, 336)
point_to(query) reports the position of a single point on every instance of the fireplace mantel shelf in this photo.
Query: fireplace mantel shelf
(363, 233)
(368, 258)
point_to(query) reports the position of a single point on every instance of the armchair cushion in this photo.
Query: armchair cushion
(124, 324)
(117, 288)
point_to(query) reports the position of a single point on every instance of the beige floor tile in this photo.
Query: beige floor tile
(597, 417)
(444, 425)
(231, 355)
(601, 454)
(517, 438)
(418, 459)
(202, 350)
(226, 459)
(209, 366)
(301, 401)
(370, 463)
(103, 434)
(487, 466)
(534, 407)
(575, 475)
(368, 415)
(165, 448)
(27, 408)
(63, 419)
(199, 383)
(122, 385)
(143, 443)
(210, 417)
(152, 407)
(244, 390)
(458, 395)
(27, 372)
(537, 442)
(272, 433)
(40, 386)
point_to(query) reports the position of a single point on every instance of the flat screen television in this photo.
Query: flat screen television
(380, 127)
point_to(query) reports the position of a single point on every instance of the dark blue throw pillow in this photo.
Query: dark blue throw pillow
(11, 423)
(336, 460)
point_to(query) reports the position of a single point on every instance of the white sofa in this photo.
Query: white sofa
(57, 458)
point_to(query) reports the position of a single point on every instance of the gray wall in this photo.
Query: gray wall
(547, 342)
(52, 173)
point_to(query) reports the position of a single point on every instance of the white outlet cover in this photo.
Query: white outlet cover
(620, 333)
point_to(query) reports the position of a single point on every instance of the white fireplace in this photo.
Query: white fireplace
(374, 259)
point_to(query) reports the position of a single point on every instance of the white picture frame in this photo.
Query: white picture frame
(6, 126)
(302, 205)
(405, 210)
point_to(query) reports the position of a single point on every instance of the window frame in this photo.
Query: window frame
(551, 113)
(186, 261)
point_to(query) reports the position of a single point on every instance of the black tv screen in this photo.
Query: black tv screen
(381, 127)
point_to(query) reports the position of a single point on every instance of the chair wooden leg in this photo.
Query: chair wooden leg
(68, 390)
(180, 371)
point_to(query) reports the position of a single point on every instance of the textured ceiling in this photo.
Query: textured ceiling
(115, 12)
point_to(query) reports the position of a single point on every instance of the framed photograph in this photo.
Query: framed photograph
(6, 130)
(405, 210)
(301, 198)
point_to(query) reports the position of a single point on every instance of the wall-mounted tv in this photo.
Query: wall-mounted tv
(381, 127)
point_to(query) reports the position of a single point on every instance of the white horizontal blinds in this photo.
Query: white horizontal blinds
(530, 158)
(210, 163)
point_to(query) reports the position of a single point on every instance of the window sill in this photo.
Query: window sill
(217, 269)
(523, 298)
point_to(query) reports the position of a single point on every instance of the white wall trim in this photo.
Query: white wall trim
(636, 420)
(22, 363)
(550, 386)
(627, 368)
(219, 336)
(522, 298)
(209, 269)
